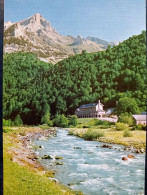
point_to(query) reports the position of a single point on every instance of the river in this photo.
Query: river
(92, 169)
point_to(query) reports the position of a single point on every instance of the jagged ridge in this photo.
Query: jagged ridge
(35, 34)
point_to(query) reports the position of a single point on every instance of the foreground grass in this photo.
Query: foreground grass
(138, 139)
(22, 179)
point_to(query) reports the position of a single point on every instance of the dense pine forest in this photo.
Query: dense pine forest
(33, 88)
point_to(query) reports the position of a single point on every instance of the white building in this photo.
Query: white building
(140, 119)
(93, 110)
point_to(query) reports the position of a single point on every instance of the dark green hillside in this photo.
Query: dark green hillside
(26, 87)
(32, 87)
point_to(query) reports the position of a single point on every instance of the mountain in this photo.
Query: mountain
(102, 42)
(36, 35)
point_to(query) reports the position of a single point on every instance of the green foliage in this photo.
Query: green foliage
(30, 84)
(73, 120)
(126, 118)
(71, 132)
(18, 121)
(46, 119)
(127, 133)
(61, 121)
(127, 105)
(98, 123)
(93, 134)
(140, 127)
(121, 127)
(8, 122)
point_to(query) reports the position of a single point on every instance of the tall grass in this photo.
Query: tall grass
(93, 134)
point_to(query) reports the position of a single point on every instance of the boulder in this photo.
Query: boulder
(59, 163)
(58, 157)
(53, 179)
(106, 146)
(137, 151)
(77, 148)
(142, 150)
(47, 157)
(130, 156)
(124, 158)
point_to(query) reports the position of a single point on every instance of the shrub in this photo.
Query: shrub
(121, 127)
(71, 132)
(61, 121)
(126, 118)
(93, 134)
(73, 120)
(46, 120)
(18, 121)
(140, 127)
(8, 122)
(96, 122)
(127, 133)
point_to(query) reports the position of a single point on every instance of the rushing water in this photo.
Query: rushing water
(92, 169)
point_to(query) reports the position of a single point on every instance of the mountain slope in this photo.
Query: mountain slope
(35, 34)
(31, 86)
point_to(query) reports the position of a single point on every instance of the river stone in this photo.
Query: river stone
(138, 151)
(36, 157)
(59, 163)
(124, 158)
(58, 157)
(47, 157)
(142, 150)
(106, 146)
(77, 148)
(130, 156)
(53, 179)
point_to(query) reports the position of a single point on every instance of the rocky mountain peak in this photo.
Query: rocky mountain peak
(37, 22)
(35, 34)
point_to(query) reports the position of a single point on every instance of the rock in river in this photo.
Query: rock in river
(77, 148)
(47, 157)
(130, 156)
(124, 158)
(58, 157)
(106, 146)
(59, 163)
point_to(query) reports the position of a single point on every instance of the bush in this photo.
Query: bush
(93, 134)
(46, 120)
(121, 127)
(127, 133)
(18, 121)
(71, 132)
(96, 122)
(126, 118)
(73, 120)
(8, 122)
(61, 121)
(140, 127)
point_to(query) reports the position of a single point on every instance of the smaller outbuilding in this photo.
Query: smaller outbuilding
(140, 119)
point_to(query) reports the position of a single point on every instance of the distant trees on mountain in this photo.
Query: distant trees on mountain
(34, 89)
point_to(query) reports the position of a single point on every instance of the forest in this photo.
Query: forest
(33, 88)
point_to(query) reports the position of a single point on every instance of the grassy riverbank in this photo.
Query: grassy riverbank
(102, 131)
(24, 175)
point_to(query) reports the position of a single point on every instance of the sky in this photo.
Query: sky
(110, 20)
